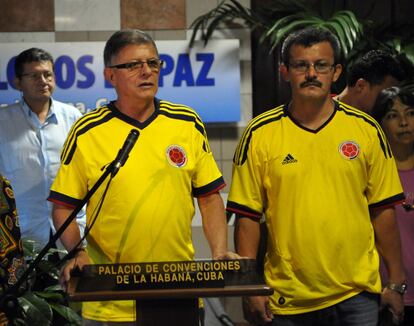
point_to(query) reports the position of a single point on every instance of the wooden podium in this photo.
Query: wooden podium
(175, 303)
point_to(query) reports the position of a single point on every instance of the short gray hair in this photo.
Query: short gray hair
(122, 38)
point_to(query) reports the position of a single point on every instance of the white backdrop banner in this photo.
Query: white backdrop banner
(204, 78)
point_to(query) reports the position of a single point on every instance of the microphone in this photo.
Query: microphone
(124, 151)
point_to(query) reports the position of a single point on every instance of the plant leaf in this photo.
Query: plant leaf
(349, 38)
(54, 288)
(38, 311)
(72, 317)
(213, 25)
(348, 27)
(336, 29)
(408, 49)
(54, 296)
(29, 248)
(226, 11)
(285, 20)
(283, 31)
(352, 20)
(241, 8)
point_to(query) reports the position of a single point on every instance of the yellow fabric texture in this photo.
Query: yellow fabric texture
(147, 213)
(315, 189)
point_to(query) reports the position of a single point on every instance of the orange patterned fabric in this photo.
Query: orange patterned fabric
(11, 249)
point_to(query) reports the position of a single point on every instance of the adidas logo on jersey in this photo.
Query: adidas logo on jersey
(289, 159)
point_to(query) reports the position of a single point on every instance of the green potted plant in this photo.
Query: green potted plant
(279, 19)
(274, 20)
(42, 300)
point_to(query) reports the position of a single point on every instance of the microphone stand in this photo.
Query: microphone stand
(8, 301)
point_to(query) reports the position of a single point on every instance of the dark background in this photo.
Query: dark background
(269, 90)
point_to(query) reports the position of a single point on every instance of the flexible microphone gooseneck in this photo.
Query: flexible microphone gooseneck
(8, 299)
(124, 151)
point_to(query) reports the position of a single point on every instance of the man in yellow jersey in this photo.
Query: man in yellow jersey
(368, 76)
(147, 213)
(324, 177)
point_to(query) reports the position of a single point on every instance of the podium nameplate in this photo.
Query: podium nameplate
(168, 275)
(168, 291)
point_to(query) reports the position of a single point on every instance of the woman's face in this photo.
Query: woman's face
(398, 124)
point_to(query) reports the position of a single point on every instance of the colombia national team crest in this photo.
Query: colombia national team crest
(349, 149)
(176, 156)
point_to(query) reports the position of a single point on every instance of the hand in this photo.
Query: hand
(393, 301)
(256, 310)
(81, 259)
(227, 255)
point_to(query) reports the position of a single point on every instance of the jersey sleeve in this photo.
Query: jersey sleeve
(70, 185)
(384, 186)
(207, 177)
(246, 195)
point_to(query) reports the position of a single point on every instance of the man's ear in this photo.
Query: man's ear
(337, 72)
(361, 84)
(284, 71)
(109, 75)
(16, 82)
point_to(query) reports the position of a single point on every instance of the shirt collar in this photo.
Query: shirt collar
(51, 115)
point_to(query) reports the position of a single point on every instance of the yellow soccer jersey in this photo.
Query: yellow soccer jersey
(315, 189)
(147, 213)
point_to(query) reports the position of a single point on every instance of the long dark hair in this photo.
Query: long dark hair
(387, 98)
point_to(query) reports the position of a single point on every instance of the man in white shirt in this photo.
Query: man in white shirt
(32, 133)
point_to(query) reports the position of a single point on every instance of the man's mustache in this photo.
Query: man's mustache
(313, 82)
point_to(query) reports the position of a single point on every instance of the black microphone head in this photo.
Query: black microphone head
(135, 132)
(132, 136)
(124, 151)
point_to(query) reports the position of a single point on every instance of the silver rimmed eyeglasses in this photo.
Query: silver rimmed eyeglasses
(47, 75)
(319, 66)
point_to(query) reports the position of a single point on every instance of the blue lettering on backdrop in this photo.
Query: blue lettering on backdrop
(85, 71)
(166, 69)
(66, 62)
(3, 84)
(202, 79)
(10, 72)
(68, 72)
(183, 71)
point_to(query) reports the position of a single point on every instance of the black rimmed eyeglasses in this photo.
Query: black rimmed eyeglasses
(153, 64)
